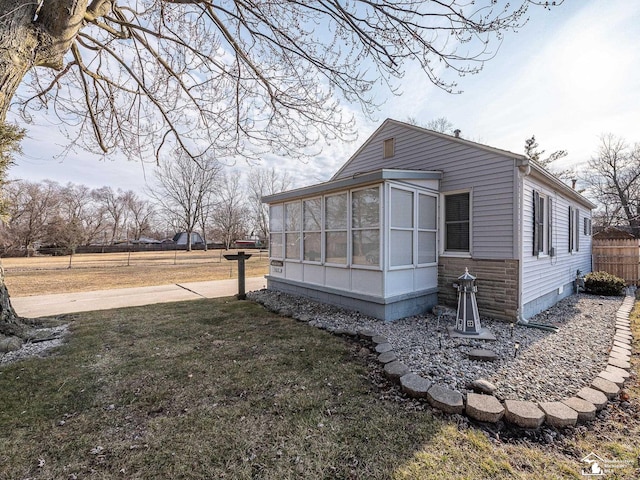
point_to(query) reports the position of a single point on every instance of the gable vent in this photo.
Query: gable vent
(388, 148)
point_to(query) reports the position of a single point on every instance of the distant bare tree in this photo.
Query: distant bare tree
(31, 206)
(141, 214)
(114, 204)
(613, 177)
(261, 182)
(182, 187)
(230, 212)
(531, 150)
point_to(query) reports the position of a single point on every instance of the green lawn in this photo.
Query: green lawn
(223, 389)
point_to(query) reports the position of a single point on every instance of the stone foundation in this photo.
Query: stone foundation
(497, 282)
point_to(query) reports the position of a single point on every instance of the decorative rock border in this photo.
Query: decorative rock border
(487, 408)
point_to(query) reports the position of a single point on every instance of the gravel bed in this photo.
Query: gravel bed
(37, 349)
(547, 366)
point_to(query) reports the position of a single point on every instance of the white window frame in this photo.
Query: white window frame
(298, 231)
(443, 225)
(346, 231)
(433, 230)
(353, 229)
(574, 229)
(416, 229)
(319, 232)
(273, 232)
(545, 237)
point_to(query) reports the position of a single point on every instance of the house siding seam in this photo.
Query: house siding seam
(497, 282)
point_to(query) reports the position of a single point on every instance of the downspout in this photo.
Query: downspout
(522, 171)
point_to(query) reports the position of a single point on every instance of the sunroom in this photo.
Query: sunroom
(368, 243)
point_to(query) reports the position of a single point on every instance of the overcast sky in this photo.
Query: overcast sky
(569, 76)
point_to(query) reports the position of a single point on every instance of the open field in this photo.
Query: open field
(223, 389)
(45, 275)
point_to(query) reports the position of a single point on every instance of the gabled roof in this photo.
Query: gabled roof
(519, 159)
(451, 138)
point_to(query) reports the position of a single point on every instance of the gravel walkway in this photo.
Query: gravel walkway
(547, 366)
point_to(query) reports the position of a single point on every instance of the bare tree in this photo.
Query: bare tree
(261, 182)
(32, 206)
(241, 76)
(182, 188)
(234, 78)
(141, 214)
(614, 182)
(230, 213)
(114, 204)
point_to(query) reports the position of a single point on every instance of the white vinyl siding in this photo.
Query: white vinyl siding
(542, 275)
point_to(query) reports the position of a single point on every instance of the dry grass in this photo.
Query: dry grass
(222, 389)
(45, 275)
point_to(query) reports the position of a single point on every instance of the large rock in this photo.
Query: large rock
(485, 408)
(482, 355)
(586, 410)
(387, 357)
(558, 414)
(612, 377)
(445, 399)
(483, 386)
(596, 397)
(395, 370)
(610, 389)
(616, 362)
(414, 385)
(383, 347)
(523, 414)
(10, 344)
(618, 371)
(379, 339)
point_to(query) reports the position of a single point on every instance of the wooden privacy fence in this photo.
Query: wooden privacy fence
(620, 257)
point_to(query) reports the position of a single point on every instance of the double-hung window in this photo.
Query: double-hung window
(574, 230)
(542, 224)
(365, 226)
(312, 229)
(335, 223)
(457, 228)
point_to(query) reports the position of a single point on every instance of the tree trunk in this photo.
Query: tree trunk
(10, 323)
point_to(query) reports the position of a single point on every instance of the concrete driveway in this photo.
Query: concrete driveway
(58, 304)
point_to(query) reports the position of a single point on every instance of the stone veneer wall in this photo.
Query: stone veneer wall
(497, 282)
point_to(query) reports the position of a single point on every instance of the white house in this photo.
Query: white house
(395, 227)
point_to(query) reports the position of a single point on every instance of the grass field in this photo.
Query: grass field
(223, 389)
(44, 275)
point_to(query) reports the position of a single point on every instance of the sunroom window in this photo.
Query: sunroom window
(276, 225)
(292, 230)
(336, 210)
(365, 226)
(312, 229)
(427, 228)
(401, 209)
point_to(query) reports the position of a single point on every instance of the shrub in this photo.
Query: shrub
(603, 283)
